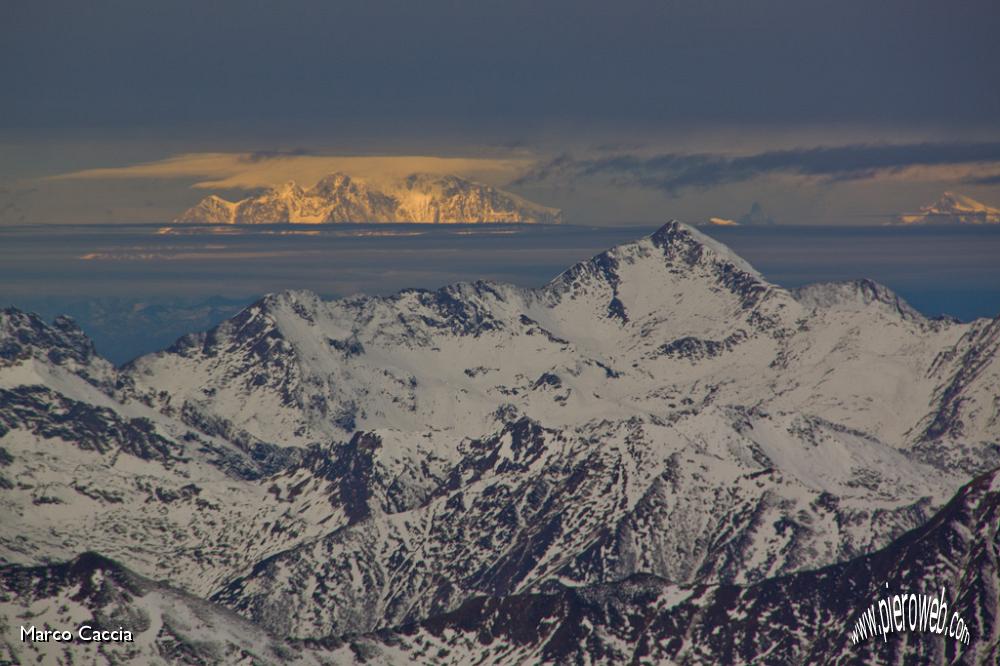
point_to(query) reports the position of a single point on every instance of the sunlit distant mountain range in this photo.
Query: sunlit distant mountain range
(340, 198)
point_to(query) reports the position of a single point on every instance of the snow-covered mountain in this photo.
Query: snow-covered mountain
(341, 198)
(660, 411)
(952, 208)
(806, 617)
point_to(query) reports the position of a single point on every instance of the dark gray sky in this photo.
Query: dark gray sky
(522, 65)
(112, 84)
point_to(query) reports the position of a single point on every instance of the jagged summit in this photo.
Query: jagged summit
(953, 208)
(26, 336)
(332, 183)
(676, 231)
(339, 197)
(678, 245)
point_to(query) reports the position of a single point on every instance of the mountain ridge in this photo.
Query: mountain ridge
(339, 198)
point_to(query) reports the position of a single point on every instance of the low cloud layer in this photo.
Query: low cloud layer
(267, 168)
(852, 181)
(672, 172)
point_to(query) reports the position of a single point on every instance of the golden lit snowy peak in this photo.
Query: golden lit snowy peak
(340, 198)
(953, 208)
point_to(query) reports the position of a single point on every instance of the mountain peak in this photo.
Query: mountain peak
(24, 336)
(953, 208)
(677, 233)
(675, 270)
(331, 182)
